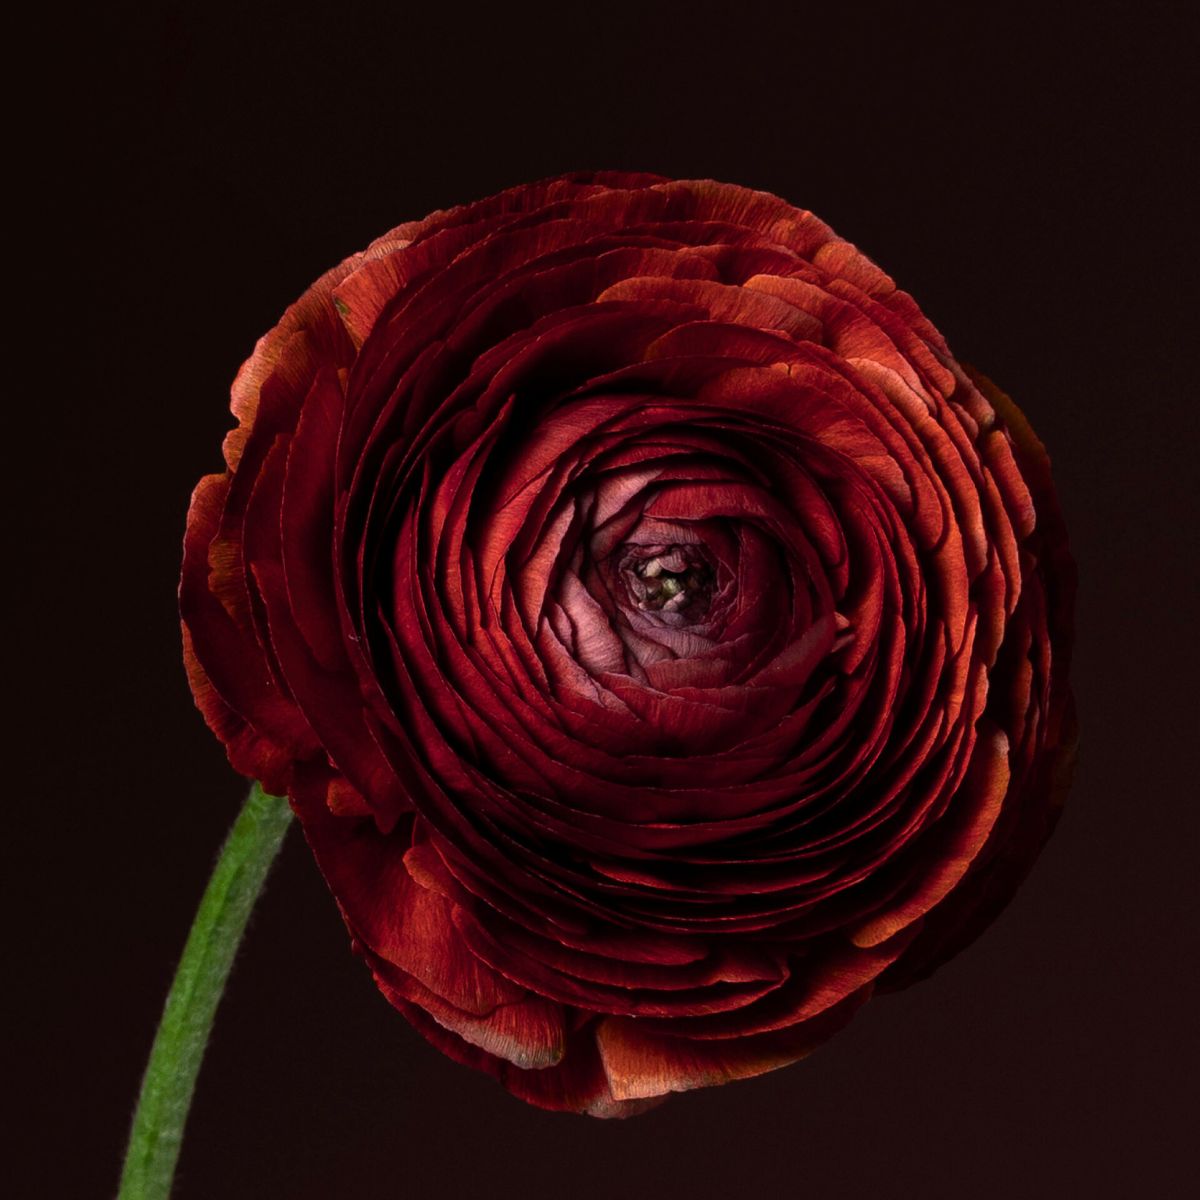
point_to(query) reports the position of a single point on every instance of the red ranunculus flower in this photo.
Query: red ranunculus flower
(660, 636)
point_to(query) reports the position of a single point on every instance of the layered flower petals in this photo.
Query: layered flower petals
(662, 638)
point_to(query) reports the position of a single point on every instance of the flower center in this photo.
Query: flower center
(669, 579)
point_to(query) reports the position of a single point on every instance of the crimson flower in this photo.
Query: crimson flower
(660, 636)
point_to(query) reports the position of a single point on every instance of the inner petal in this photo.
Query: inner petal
(668, 578)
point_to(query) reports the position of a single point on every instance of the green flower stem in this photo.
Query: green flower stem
(170, 1078)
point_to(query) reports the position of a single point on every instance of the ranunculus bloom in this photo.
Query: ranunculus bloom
(660, 636)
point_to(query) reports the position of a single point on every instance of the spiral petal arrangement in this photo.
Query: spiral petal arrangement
(661, 637)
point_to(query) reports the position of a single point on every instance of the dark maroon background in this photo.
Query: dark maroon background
(1021, 172)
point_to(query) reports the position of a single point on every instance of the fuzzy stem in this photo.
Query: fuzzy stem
(170, 1079)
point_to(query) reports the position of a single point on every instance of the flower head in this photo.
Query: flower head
(661, 637)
